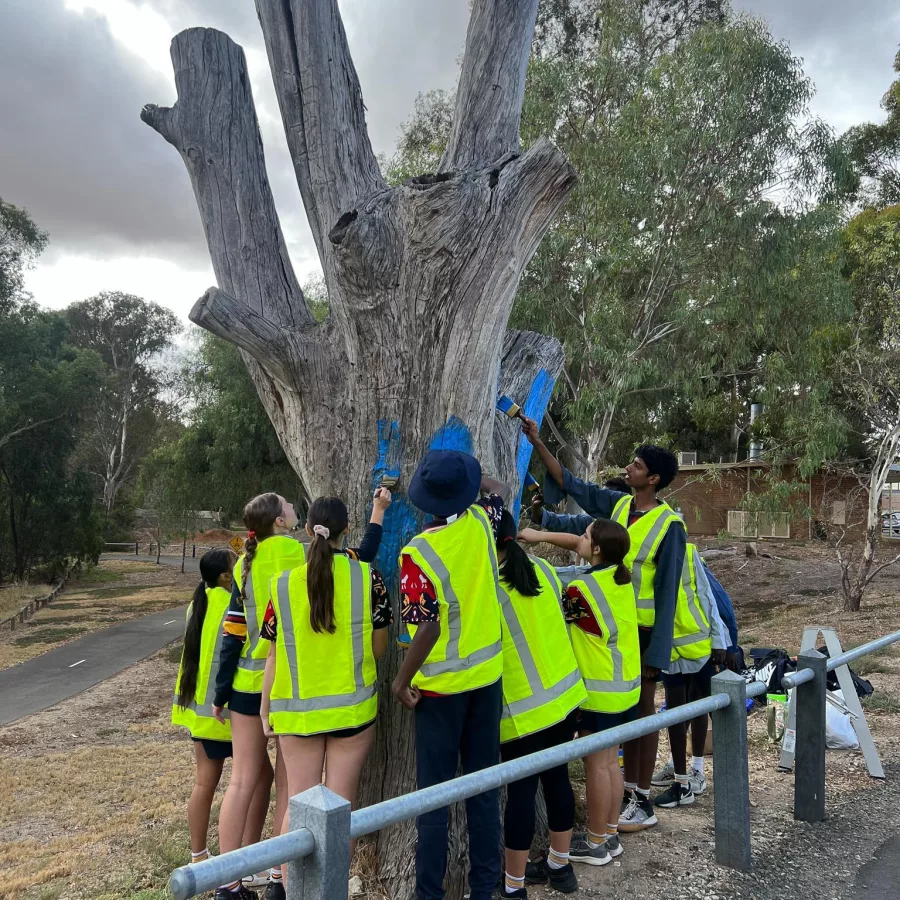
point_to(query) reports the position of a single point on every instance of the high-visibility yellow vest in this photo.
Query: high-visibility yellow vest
(197, 716)
(692, 637)
(541, 680)
(273, 555)
(610, 663)
(323, 682)
(646, 535)
(460, 560)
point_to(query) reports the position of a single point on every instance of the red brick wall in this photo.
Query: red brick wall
(705, 494)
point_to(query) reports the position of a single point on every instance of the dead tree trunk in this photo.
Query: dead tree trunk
(421, 279)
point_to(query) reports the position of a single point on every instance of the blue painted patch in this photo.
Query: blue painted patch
(534, 407)
(455, 435)
(401, 521)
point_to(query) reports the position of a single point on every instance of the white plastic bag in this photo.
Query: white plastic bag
(839, 733)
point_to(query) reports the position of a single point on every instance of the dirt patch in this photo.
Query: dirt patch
(215, 536)
(93, 792)
(112, 592)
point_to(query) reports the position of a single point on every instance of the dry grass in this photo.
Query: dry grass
(14, 596)
(93, 792)
(102, 596)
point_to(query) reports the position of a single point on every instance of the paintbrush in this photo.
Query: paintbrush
(505, 405)
(531, 484)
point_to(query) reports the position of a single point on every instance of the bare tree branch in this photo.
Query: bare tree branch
(322, 109)
(214, 128)
(491, 84)
(12, 435)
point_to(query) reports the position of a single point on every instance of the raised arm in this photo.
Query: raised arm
(551, 463)
(557, 539)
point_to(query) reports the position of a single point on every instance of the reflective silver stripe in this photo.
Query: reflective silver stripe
(611, 687)
(202, 711)
(251, 664)
(703, 631)
(542, 697)
(321, 704)
(612, 627)
(523, 651)
(361, 692)
(214, 664)
(643, 554)
(551, 575)
(429, 670)
(646, 603)
(250, 617)
(357, 614)
(454, 662)
(443, 576)
(286, 626)
(686, 639)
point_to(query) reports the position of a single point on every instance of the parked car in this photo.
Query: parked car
(890, 523)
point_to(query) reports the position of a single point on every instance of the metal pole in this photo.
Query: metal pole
(324, 874)
(194, 551)
(809, 762)
(732, 795)
(135, 548)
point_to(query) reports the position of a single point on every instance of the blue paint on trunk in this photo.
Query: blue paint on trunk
(455, 435)
(534, 407)
(403, 521)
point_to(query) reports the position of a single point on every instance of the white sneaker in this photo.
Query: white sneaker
(665, 776)
(697, 781)
(255, 882)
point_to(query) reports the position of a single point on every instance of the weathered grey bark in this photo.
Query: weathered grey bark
(421, 279)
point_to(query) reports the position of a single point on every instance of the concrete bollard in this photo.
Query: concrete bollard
(732, 779)
(809, 759)
(325, 873)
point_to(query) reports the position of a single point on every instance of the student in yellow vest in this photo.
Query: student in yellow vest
(268, 551)
(656, 558)
(329, 623)
(450, 675)
(699, 645)
(192, 708)
(542, 690)
(601, 607)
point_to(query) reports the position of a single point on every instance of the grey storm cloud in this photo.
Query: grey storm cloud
(76, 154)
(74, 151)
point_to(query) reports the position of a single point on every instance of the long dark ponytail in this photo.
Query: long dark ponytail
(212, 564)
(517, 569)
(613, 543)
(327, 519)
(259, 518)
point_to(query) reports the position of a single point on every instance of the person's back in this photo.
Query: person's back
(324, 679)
(450, 675)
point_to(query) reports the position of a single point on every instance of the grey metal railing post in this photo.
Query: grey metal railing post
(809, 761)
(325, 873)
(732, 778)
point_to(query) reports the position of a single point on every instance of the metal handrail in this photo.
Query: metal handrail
(196, 878)
(803, 676)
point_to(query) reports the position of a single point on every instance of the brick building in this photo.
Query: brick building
(710, 496)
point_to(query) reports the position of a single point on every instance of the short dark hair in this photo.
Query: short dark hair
(617, 484)
(658, 461)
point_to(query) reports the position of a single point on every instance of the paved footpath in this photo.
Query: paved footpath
(190, 563)
(74, 667)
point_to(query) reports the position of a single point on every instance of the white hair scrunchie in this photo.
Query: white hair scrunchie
(322, 531)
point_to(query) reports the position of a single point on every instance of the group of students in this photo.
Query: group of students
(508, 656)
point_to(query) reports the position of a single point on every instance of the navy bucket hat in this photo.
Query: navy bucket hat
(446, 483)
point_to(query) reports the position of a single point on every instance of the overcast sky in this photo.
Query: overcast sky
(115, 197)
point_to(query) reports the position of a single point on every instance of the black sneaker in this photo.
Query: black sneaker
(679, 794)
(626, 799)
(562, 880)
(517, 894)
(275, 890)
(638, 816)
(241, 893)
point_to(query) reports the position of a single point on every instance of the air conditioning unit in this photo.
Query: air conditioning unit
(775, 526)
(687, 459)
(742, 524)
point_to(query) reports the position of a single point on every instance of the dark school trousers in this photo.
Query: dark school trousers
(449, 729)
